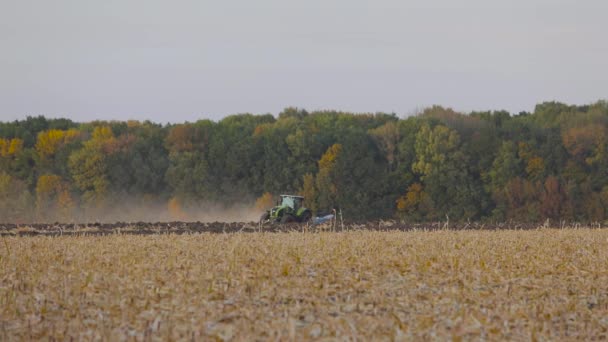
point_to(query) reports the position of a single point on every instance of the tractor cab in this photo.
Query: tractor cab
(291, 201)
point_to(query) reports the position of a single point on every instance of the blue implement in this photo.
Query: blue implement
(322, 219)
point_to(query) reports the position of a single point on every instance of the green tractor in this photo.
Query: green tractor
(289, 209)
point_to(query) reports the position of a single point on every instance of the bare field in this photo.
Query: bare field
(543, 284)
(180, 227)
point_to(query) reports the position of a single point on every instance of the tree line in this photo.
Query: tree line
(551, 163)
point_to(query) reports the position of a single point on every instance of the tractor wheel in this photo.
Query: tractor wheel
(306, 216)
(287, 218)
(264, 217)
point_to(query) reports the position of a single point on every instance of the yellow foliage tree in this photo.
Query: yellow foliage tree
(4, 144)
(15, 147)
(330, 156)
(264, 202)
(15, 199)
(49, 142)
(535, 167)
(326, 178)
(53, 198)
(88, 166)
(102, 133)
(10, 147)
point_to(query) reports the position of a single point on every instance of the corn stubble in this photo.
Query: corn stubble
(542, 284)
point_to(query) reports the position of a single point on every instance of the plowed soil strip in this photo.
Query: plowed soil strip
(179, 228)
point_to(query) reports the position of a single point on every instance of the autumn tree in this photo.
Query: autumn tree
(264, 202)
(415, 205)
(552, 199)
(88, 166)
(494, 165)
(327, 178)
(506, 166)
(49, 142)
(310, 192)
(387, 138)
(15, 200)
(176, 210)
(188, 174)
(443, 170)
(54, 201)
(10, 147)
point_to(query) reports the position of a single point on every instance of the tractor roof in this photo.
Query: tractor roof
(296, 196)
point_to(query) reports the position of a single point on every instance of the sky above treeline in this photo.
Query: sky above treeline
(173, 61)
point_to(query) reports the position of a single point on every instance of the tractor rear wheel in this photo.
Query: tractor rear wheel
(287, 218)
(306, 216)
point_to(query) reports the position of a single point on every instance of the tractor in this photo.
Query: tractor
(289, 209)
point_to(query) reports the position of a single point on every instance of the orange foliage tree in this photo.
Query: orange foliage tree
(176, 211)
(414, 204)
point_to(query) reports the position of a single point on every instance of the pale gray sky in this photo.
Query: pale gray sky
(185, 60)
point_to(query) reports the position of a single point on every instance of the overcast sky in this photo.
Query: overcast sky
(171, 61)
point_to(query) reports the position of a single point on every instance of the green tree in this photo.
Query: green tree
(88, 167)
(442, 167)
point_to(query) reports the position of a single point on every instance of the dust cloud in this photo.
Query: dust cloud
(141, 210)
(208, 212)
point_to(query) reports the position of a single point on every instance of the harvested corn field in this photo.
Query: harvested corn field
(496, 285)
(150, 228)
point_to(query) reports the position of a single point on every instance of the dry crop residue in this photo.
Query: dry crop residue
(545, 284)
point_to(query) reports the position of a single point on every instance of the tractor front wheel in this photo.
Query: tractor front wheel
(264, 217)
